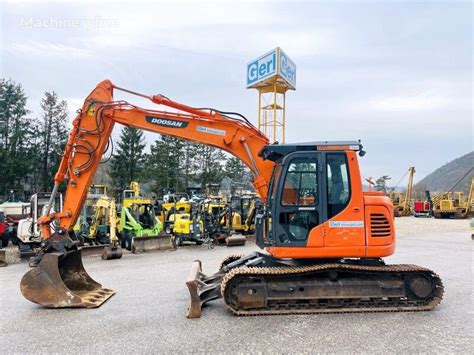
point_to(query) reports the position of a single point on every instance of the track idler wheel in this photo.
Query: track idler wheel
(110, 253)
(60, 281)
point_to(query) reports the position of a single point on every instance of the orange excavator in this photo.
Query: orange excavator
(323, 237)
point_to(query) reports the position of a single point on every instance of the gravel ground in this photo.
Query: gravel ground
(421, 227)
(148, 312)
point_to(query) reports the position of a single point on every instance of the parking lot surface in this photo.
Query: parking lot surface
(147, 314)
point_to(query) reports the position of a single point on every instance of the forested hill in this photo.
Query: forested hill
(445, 177)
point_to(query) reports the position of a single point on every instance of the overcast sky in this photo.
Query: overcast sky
(397, 75)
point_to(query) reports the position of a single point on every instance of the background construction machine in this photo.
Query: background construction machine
(454, 204)
(241, 214)
(28, 234)
(3, 239)
(216, 214)
(97, 229)
(402, 200)
(3, 230)
(84, 221)
(189, 226)
(324, 237)
(423, 208)
(13, 211)
(103, 228)
(172, 208)
(140, 227)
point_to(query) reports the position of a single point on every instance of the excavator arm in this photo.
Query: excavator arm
(89, 139)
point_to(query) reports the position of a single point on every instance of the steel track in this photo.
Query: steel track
(336, 305)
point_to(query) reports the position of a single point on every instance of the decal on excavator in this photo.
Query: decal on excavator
(309, 208)
(166, 122)
(204, 129)
(346, 224)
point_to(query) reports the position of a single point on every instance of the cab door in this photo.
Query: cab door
(298, 207)
(345, 206)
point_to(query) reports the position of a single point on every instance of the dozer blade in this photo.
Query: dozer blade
(163, 241)
(235, 240)
(3, 258)
(60, 281)
(202, 289)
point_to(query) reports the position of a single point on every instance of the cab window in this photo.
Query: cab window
(338, 186)
(301, 185)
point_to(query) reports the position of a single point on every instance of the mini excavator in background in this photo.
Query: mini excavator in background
(323, 236)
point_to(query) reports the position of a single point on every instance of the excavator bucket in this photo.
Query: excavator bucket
(60, 281)
(3, 258)
(163, 241)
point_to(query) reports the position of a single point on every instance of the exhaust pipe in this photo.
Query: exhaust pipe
(60, 281)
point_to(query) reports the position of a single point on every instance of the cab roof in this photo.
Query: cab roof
(275, 152)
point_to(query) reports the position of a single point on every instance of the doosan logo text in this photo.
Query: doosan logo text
(166, 122)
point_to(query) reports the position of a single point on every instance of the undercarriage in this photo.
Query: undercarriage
(258, 284)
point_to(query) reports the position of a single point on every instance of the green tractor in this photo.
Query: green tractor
(141, 230)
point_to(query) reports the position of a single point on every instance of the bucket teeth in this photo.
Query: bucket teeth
(60, 281)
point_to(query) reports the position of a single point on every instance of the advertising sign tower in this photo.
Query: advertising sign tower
(272, 74)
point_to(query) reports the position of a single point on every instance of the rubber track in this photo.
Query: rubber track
(265, 271)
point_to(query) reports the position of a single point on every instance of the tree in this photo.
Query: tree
(237, 171)
(191, 163)
(163, 163)
(172, 163)
(211, 161)
(51, 139)
(381, 183)
(15, 134)
(128, 161)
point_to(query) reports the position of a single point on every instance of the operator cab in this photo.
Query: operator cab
(310, 184)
